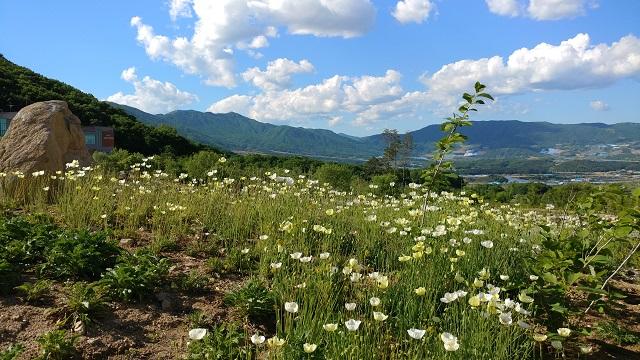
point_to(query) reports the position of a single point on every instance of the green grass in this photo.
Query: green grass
(321, 248)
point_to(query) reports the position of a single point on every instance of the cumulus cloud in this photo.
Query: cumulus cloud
(599, 105)
(541, 9)
(416, 11)
(504, 7)
(223, 25)
(278, 73)
(368, 90)
(573, 64)
(324, 100)
(151, 95)
(180, 8)
(236, 103)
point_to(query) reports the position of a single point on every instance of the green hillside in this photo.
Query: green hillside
(20, 86)
(235, 132)
(492, 139)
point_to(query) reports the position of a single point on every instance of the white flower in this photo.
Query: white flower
(197, 334)
(275, 342)
(296, 255)
(505, 318)
(276, 266)
(374, 301)
(523, 297)
(330, 327)
(257, 339)
(449, 297)
(309, 348)
(564, 332)
(533, 277)
(352, 325)
(487, 243)
(350, 306)
(245, 251)
(378, 316)
(416, 333)
(450, 341)
(306, 259)
(523, 324)
(324, 255)
(504, 277)
(291, 307)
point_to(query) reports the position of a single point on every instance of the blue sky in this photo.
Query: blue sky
(353, 66)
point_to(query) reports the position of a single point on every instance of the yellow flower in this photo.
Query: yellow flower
(420, 291)
(309, 348)
(474, 301)
(378, 316)
(330, 327)
(404, 258)
(383, 282)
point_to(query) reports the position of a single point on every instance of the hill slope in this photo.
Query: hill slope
(498, 139)
(20, 86)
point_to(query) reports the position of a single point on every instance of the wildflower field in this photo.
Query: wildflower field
(142, 264)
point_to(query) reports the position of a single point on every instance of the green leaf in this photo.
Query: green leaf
(622, 231)
(468, 97)
(479, 87)
(486, 96)
(550, 278)
(480, 102)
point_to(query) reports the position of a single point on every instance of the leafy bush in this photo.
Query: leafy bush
(225, 341)
(57, 345)
(12, 352)
(35, 292)
(253, 300)
(9, 276)
(192, 282)
(86, 302)
(80, 255)
(136, 275)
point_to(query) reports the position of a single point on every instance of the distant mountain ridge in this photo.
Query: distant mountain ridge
(495, 138)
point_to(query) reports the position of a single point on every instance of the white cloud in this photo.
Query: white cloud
(236, 103)
(180, 8)
(371, 89)
(573, 64)
(151, 95)
(326, 100)
(504, 7)
(278, 73)
(541, 9)
(335, 120)
(417, 11)
(599, 105)
(555, 9)
(406, 105)
(222, 25)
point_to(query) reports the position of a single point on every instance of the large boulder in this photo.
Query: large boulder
(43, 136)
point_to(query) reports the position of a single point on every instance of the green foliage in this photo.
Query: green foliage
(253, 300)
(192, 282)
(20, 87)
(9, 276)
(453, 137)
(611, 330)
(80, 255)
(225, 341)
(35, 292)
(136, 276)
(12, 352)
(86, 302)
(338, 175)
(57, 345)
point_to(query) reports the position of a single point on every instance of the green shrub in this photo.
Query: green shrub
(86, 302)
(80, 255)
(9, 276)
(224, 342)
(12, 352)
(136, 275)
(253, 300)
(193, 282)
(34, 292)
(57, 345)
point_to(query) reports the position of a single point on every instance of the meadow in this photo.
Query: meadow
(144, 264)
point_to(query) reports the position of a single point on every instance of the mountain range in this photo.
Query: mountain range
(497, 139)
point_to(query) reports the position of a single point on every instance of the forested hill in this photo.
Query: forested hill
(493, 139)
(19, 86)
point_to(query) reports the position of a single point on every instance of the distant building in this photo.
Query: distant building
(97, 138)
